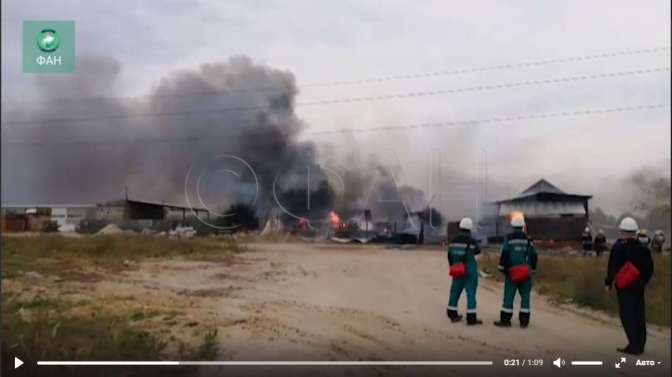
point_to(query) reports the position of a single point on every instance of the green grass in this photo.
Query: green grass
(581, 280)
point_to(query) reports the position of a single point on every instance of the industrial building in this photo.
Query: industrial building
(130, 209)
(550, 213)
(37, 217)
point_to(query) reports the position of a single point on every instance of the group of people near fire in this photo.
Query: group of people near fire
(629, 270)
(599, 243)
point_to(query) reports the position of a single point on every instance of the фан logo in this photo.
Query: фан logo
(48, 40)
(48, 46)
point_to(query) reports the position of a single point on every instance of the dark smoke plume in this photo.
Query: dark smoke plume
(203, 121)
(118, 144)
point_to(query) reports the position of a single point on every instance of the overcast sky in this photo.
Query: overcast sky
(325, 41)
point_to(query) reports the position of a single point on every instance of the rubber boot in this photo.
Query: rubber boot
(452, 314)
(504, 319)
(473, 320)
(524, 319)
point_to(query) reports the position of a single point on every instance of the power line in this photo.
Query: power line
(516, 118)
(500, 67)
(488, 87)
(518, 84)
(400, 77)
(526, 117)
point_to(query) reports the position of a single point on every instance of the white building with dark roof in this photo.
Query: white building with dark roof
(550, 213)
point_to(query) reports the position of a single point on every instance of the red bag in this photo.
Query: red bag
(519, 273)
(457, 270)
(626, 276)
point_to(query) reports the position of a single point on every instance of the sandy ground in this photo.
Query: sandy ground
(302, 301)
(340, 302)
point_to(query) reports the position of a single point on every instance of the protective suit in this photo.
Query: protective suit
(631, 305)
(643, 237)
(463, 249)
(600, 243)
(517, 250)
(658, 242)
(586, 241)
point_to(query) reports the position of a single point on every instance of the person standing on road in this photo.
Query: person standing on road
(518, 262)
(643, 237)
(600, 243)
(462, 251)
(586, 241)
(626, 252)
(658, 242)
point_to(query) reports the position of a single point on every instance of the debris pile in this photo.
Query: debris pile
(67, 228)
(109, 229)
(273, 226)
(182, 232)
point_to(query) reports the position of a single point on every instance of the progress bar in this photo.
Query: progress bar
(587, 363)
(266, 363)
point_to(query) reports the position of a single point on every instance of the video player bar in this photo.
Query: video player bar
(268, 363)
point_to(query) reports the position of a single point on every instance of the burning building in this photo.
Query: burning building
(229, 145)
(550, 213)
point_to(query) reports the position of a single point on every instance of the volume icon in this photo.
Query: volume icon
(559, 362)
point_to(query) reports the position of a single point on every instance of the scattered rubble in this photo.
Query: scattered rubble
(128, 262)
(484, 274)
(34, 275)
(341, 240)
(182, 232)
(109, 229)
(67, 228)
(273, 226)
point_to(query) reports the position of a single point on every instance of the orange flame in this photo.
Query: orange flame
(334, 220)
(516, 214)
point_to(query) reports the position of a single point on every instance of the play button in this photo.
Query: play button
(17, 362)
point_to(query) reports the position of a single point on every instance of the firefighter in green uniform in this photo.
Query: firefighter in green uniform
(518, 253)
(463, 249)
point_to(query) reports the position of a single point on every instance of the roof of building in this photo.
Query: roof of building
(542, 185)
(48, 205)
(123, 202)
(547, 190)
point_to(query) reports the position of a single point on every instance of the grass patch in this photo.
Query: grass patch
(38, 329)
(139, 315)
(581, 280)
(42, 325)
(65, 256)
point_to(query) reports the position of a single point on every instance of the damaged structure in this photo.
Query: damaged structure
(550, 213)
(140, 213)
(129, 209)
(37, 217)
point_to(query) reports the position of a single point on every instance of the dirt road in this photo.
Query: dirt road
(301, 301)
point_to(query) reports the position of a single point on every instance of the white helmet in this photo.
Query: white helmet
(628, 224)
(518, 222)
(587, 230)
(466, 224)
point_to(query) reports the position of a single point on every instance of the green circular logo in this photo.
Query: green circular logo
(48, 40)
